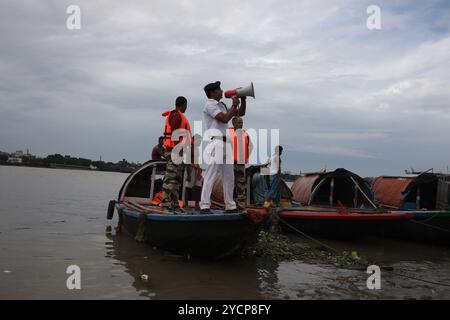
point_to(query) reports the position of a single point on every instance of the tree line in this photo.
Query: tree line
(67, 160)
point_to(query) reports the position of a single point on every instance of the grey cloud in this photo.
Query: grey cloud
(375, 101)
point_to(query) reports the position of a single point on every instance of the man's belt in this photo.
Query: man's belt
(223, 138)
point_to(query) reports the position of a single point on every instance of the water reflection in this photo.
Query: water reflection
(177, 277)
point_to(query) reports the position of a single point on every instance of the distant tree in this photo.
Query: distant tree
(83, 162)
(100, 165)
(3, 157)
(54, 158)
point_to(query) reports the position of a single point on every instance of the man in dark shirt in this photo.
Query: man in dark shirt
(158, 150)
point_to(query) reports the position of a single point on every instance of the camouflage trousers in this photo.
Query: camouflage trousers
(240, 185)
(172, 182)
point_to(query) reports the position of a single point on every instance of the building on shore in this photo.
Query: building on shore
(17, 157)
(13, 159)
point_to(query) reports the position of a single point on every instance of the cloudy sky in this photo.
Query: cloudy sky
(372, 101)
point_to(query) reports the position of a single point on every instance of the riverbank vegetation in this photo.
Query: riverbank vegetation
(69, 162)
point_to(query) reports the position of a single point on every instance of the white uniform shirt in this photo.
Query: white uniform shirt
(274, 164)
(210, 111)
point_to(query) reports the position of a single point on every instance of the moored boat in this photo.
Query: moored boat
(337, 204)
(341, 225)
(215, 235)
(426, 196)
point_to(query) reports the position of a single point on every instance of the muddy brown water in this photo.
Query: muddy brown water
(52, 218)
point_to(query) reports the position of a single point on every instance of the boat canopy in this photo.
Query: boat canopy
(424, 191)
(331, 188)
(144, 183)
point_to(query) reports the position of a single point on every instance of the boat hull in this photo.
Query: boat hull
(211, 236)
(342, 226)
(426, 227)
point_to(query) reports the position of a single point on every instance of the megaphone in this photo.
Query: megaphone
(247, 91)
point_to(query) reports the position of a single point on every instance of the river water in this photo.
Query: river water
(52, 218)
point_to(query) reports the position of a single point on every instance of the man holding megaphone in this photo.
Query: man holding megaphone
(216, 115)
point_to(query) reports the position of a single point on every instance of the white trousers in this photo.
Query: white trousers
(211, 173)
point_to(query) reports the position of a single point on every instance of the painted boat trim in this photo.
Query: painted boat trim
(346, 216)
(215, 216)
(425, 214)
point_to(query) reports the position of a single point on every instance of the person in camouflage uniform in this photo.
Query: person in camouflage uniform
(240, 160)
(174, 171)
(172, 183)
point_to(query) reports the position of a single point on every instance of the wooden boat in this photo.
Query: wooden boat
(426, 196)
(429, 191)
(215, 235)
(350, 224)
(398, 214)
(336, 204)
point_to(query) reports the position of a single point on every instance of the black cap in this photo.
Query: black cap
(211, 86)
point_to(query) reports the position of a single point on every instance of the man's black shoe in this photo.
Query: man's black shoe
(166, 210)
(232, 211)
(205, 211)
(178, 210)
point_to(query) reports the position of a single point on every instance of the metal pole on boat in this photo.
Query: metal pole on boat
(152, 182)
(331, 191)
(248, 182)
(183, 186)
(418, 198)
(355, 197)
(313, 192)
(356, 184)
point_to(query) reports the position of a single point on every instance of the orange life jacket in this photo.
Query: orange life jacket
(245, 143)
(157, 200)
(167, 142)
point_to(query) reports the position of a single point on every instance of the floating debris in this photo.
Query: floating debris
(144, 277)
(349, 259)
(280, 247)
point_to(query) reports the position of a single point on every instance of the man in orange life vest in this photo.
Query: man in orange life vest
(242, 147)
(175, 119)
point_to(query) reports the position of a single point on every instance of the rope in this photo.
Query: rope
(336, 251)
(356, 184)
(120, 223)
(422, 280)
(432, 217)
(140, 234)
(429, 225)
(306, 235)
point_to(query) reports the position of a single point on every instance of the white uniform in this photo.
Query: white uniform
(274, 164)
(211, 110)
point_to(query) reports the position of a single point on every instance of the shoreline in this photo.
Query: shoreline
(61, 168)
